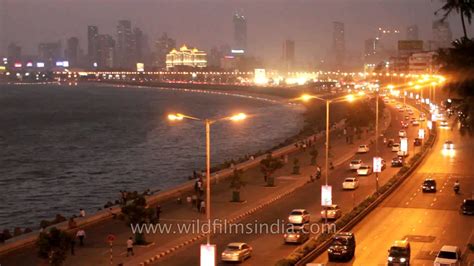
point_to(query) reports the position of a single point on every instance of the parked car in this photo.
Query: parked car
(342, 247)
(236, 252)
(404, 125)
(350, 183)
(331, 212)
(448, 145)
(363, 148)
(415, 123)
(296, 235)
(429, 185)
(402, 133)
(397, 162)
(399, 253)
(364, 170)
(299, 216)
(467, 207)
(417, 142)
(355, 164)
(448, 256)
(443, 123)
(395, 147)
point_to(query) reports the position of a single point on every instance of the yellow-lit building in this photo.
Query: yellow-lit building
(186, 57)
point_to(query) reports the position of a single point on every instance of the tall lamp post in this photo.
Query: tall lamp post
(207, 123)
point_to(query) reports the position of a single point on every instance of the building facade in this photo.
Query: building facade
(92, 33)
(442, 36)
(186, 58)
(163, 46)
(72, 51)
(422, 63)
(124, 44)
(338, 44)
(240, 32)
(412, 33)
(288, 55)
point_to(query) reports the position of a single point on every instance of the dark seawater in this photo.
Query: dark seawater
(68, 147)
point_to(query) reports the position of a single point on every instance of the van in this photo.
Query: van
(399, 253)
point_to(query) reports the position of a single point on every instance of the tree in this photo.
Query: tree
(53, 246)
(314, 155)
(268, 166)
(137, 213)
(465, 8)
(236, 183)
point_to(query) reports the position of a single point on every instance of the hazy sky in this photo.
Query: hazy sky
(205, 23)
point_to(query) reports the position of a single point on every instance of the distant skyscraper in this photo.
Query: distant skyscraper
(240, 32)
(412, 32)
(138, 45)
(338, 44)
(92, 33)
(442, 36)
(72, 51)
(105, 51)
(289, 54)
(3, 26)
(124, 44)
(49, 53)
(14, 52)
(163, 46)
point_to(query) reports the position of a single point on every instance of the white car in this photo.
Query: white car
(363, 148)
(236, 252)
(355, 164)
(401, 153)
(402, 133)
(448, 255)
(415, 123)
(350, 183)
(364, 170)
(443, 123)
(299, 216)
(331, 212)
(395, 147)
(448, 145)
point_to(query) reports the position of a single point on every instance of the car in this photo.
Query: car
(448, 145)
(296, 235)
(401, 153)
(364, 170)
(397, 162)
(404, 124)
(343, 246)
(467, 207)
(390, 142)
(410, 112)
(447, 256)
(395, 147)
(350, 183)
(443, 123)
(299, 216)
(402, 133)
(355, 164)
(407, 117)
(399, 253)
(363, 148)
(421, 119)
(429, 185)
(236, 252)
(417, 142)
(331, 212)
(415, 123)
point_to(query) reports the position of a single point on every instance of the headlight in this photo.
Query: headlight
(390, 258)
(432, 187)
(403, 259)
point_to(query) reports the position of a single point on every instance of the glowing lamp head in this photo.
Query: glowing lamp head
(306, 97)
(238, 117)
(175, 117)
(350, 98)
(390, 87)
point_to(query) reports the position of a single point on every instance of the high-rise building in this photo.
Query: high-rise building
(50, 53)
(163, 46)
(186, 58)
(124, 44)
(289, 54)
(138, 45)
(412, 32)
(338, 44)
(3, 26)
(72, 51)
(105, 51)
(14, 52)
(240, 32)
(442, 36)
(92, 33)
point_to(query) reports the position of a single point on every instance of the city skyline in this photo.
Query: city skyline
(206, 33)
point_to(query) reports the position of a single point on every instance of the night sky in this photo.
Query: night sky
(207, 23)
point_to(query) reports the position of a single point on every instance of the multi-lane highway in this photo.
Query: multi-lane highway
(269, 248)
(427, 220)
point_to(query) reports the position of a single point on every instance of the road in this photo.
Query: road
(269, 248)
(428, 221)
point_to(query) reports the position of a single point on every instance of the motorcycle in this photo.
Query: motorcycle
(456, 188)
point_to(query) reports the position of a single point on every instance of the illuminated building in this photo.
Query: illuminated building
(186, 57)
(422, 63)
(289, 55)
(105, 51)
(240, 32)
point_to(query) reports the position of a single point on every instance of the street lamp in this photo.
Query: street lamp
(207, 123)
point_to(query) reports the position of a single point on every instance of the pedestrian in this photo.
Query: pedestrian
(203, 207)
(158, 212)
(130, 247)
(81, 234)
(82, 213)
(198, 204)
(73, 245)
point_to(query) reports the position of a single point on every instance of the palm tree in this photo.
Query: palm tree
(463, 7)
(268, 166)
(236, 183)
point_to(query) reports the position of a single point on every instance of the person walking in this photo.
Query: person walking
(158, 212)
(130, 247)
(82, 213)
(81, 234)
(73, 245)
(203, 207)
